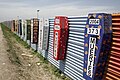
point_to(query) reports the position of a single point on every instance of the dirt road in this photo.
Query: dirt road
(6, 68)
(17, 63)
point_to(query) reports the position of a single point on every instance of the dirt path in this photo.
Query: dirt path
(6, 68)
(17, 63)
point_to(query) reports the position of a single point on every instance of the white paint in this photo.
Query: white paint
(91, 53)
(57, 21)
(57, 27)
(94, 21)
(40, 39)
(55, 44)
(25, 38)
(23, 29)
(43, 33)
(93, 31)
(32, 31)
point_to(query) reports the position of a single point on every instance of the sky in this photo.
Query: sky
(27, 9)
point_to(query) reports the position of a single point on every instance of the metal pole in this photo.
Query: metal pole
(17, 25)
(38, 25)
(37, 13)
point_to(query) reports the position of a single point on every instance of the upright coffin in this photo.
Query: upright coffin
(97, 45)
(28, 29)
(25, 36)
(113, 65)
(16, 26)
(34, 30)
(60, 37)
(20, 27)
(13, 26)
(43, 33)
(23, 29)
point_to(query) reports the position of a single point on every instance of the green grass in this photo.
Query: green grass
(19, 40)
(43, 61)
(12, 54)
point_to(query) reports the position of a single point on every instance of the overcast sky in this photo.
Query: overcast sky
(10, 9)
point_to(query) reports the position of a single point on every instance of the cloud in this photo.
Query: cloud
(10, 9)
(76, 11)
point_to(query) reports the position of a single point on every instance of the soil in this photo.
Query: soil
(18, 63)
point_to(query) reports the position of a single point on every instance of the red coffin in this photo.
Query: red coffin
(60, 37)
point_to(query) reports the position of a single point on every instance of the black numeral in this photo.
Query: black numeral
(96, 31)
(92, 30)
(89, 30)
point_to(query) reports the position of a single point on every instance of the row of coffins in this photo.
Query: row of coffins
(81, 47)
